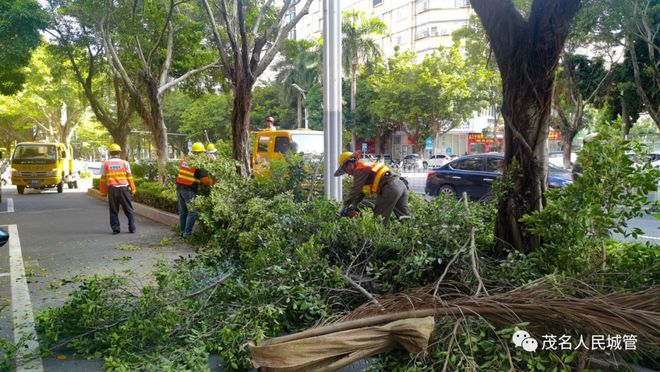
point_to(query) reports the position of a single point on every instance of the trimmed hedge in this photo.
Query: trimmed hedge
(153, 194)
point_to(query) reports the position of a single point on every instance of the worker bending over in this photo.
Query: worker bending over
(374, 178)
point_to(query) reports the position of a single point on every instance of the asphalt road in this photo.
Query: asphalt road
(64, 237)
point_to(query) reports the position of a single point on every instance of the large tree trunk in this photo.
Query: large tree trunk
(626, 123)
(567, 137)
(650, 109)
(527, 52)
(120, 136)
(240, 118)
(153, 118)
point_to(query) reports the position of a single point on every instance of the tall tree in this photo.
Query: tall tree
(253, 32)
(358, 48)
(145, 44)
(579, 82)
(435, 95)
(527, 52)
(52, 101)
(80, 43)
(478, 54)
(153, 30)
(20, 23)
(635, 26)
(301, 66)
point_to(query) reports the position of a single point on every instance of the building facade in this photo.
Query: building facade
(415, 25)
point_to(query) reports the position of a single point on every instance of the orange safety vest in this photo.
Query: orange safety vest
(379, 169)
(186, 174)
(116, 174)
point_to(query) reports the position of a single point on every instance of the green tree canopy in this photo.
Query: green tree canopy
(20, 23)
(437, 94)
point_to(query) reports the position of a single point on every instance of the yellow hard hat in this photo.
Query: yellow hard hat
(114, 148)
(210, 147)
(343, 158)
(197, 147)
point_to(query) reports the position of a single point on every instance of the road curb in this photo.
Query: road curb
(166, 218)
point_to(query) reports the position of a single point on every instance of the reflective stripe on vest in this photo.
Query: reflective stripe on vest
(379, 169)
(116, 172)
(186, 174)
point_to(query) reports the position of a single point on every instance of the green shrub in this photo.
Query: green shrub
(156, 195)
(289, 258)
(148, 170)
(95, 183)
(579, 218)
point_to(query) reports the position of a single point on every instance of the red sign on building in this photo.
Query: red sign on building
(478, 143)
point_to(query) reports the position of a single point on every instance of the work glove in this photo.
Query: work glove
(348, 212)
(133, 191)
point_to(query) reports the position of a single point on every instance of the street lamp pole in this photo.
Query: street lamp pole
(302, 92)
(332, 96)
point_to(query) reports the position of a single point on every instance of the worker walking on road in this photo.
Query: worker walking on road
(117, 183)
(187, 185)
(374, 178)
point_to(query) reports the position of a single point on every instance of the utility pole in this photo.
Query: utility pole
(301, 91)
(332, 96)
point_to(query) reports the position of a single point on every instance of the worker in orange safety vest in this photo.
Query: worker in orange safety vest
(187, 185)
(117, 183)
(374, 178)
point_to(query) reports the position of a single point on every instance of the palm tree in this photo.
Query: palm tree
(301, 67)
(359, 47)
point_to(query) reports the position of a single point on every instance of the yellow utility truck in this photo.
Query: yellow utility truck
(273, 144)
(42, 165)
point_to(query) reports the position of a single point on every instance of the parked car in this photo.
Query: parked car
(654, 159)
(557, 158)
(474, 174)
(436, 161)
(412, 162)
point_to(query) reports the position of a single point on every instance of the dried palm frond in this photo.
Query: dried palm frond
(542, 305)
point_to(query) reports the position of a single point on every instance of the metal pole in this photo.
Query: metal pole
(306, 125)
(332, 96)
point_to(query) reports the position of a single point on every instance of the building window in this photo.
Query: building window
(422, 5)
(422, 33)
(434, 31)
(377, 2)
(462, 3)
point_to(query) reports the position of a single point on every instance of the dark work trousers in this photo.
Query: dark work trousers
(187, 215)
(120, 196)
(393, 197)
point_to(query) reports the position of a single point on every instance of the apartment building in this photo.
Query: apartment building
(417, 25)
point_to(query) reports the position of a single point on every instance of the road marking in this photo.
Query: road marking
(648, 237)
(4, 274)
(10, 206)
(22, 308)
